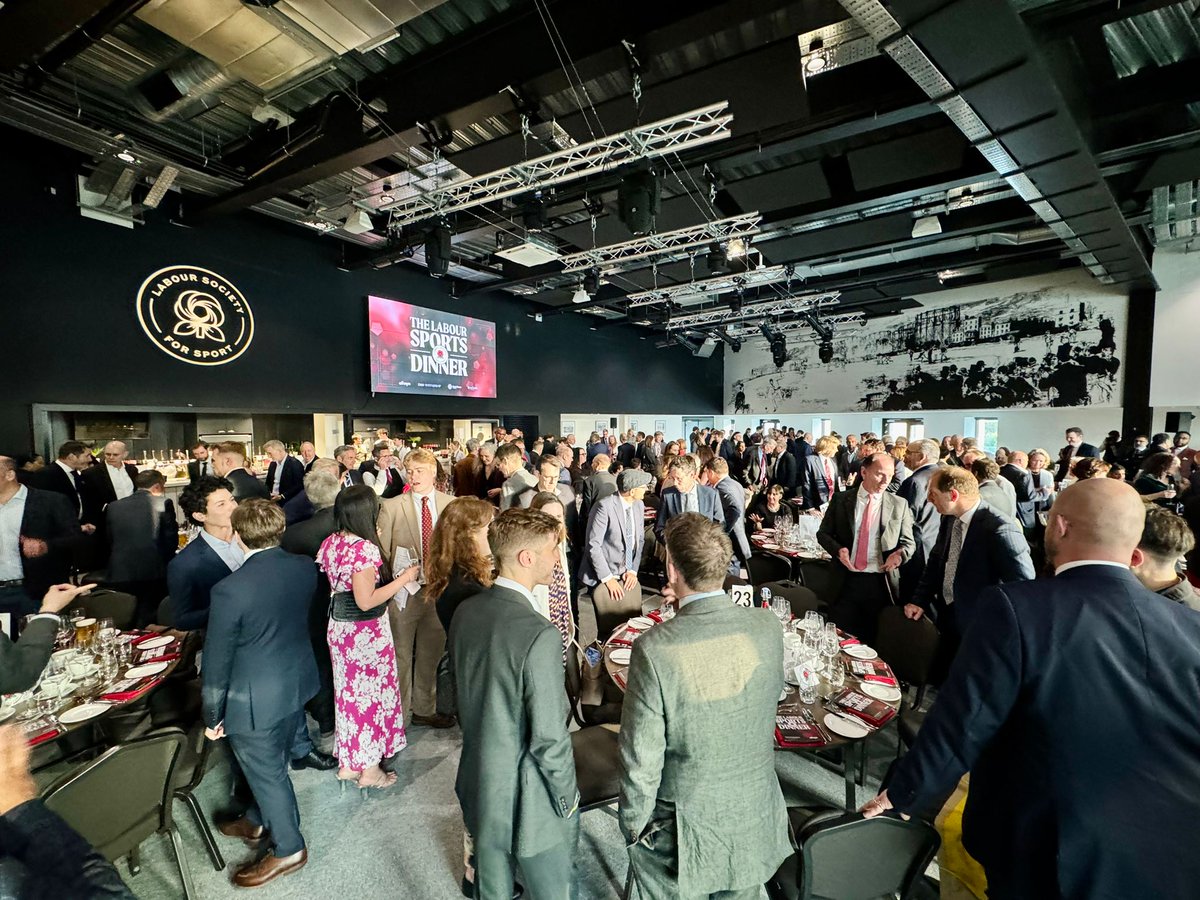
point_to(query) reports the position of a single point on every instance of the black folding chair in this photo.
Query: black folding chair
(767, 567)
(122, 797)
(196, 759)
(104, 604)
(801, 598)
(842, 856)
(910, 648)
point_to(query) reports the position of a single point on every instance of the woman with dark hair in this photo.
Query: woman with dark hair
(1156, 480)
(368, 720)
(1116, 472)
(768, 509)
(1089, 467)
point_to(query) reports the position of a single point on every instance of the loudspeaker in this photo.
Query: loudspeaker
(437, 252)
(638, 201)
(612, 422)
(1179, 421)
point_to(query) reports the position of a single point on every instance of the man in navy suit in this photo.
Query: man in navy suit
(285, 474)
(1076, 447)
(1016, 470)
(923, 458)
(347, 458)
(977, 547)
(687, 495)
(1070, 705)
(733, 507)
(259, 671)
(207, 502)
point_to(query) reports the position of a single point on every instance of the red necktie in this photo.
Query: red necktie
(426, 528)
(560, 603)
(864, 533)
(829, 475)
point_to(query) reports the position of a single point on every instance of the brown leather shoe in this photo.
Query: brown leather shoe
(440, 720)
(269, 868)
(254, 836)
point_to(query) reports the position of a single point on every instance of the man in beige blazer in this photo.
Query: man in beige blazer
(419, 637)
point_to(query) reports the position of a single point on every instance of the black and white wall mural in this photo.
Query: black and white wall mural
(1020, 345)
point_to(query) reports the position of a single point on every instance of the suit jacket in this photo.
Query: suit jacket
(193, 469)
(98, 491)
(258, 660)
(516, 776)
(515, 486)
(785, 474)
(191, 576)
(1020, 712)
(143, 535)
(733, 506)
(625, 453)
(247, 486)
(595, 488)
(355, 477)
(754, 465)
(994, 551)
(895, 531)
(708, 503)
(308, 465)
(1063, 465)
(716, 785)
(51, 477)
(1000, 496)
(400, 526)
(605, 542)
(48, 517)
(291, 482)
(927, 521)
(297, 509)
(1022, 482)
(305, 538)
(22, 661)
(814, 488)
(650, 458)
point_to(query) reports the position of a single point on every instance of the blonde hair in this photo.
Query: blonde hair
(955, 478)
(827, 445)
(420, 455)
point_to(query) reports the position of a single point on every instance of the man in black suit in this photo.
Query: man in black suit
(516, 778)
(102, 484)
(38, 532)
(304, 538)
(229, 463)
(285, 474)
(63, 476)
(1068, 705)
(977, 547)
(300, 507)
(1016, 472)
(207, 502)
(781, 468)
(308, 455)
(868, 531)
(1075, 448)
(259, 671)
(143, 536)
(923, 457)
(347, 458)
(200, 465)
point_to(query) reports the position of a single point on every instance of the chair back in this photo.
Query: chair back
(852, 858)
(823, 578)
(801, 598)
(123, 796)
(767, 567)
(105, 604)
(164, 616)
(908, 646)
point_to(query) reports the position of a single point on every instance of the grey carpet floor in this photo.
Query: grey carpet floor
(407, 842)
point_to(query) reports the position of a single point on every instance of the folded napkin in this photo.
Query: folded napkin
(39, 730)
(881, 679)
(619, 678)
(131, 688)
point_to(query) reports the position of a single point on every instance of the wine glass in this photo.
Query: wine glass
(782, 609)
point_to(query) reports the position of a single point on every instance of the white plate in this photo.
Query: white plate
(860, 651)
(148, 669)
(62, 654)
(620, 655)
(160, 641)
(844, 727)
(641, 622)
(883, 692)
(83, 713)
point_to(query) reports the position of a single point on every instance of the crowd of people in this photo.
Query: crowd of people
(408, 589)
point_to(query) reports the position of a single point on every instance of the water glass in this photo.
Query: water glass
(837, 674)
(782, 609)
(808, 689)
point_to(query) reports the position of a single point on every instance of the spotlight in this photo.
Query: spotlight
(533, 213)
(537, 317)
(580, 296)
(767, 331)
(736, 248)
(779, 351)
(735, 345)
(735, 305)
(437, 251)
(591, 282)
(825, 351)
(818, 60)
(716, 259)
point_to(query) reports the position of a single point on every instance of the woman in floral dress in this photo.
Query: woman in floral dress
(368, 723)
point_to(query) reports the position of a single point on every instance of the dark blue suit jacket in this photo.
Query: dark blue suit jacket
(292, 481)
(993, 552)
(707, 501)
(814, 489)
(733, 506)
(1072, 703)
(190, 579)
(258, 660)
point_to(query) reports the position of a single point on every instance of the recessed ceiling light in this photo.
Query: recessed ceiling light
(386, 198)
(126, 156)
(816, 63)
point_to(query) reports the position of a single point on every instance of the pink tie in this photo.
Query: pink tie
(864, 533)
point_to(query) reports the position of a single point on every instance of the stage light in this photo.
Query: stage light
(591, 282)
(126, 156)
(638, 201)
(716, 259)
(779, 351)
(580, 296)
(735, 248)
(735, 345)
(825, 351)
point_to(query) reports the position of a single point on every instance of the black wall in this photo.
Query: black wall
(70, 332)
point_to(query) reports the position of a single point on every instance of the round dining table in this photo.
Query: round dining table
(85, 698)
(790, 705)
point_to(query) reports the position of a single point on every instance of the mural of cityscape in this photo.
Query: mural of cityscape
(1051, 347)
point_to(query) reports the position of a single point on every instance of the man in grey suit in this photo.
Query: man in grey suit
(733, 506)
(700, 805)
(687, 495)
(869, 532)
(612, 552)
(143, 535)
(516, 777)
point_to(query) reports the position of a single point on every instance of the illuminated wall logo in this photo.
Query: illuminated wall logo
(195, 315)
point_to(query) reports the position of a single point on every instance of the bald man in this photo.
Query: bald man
(1016, 471)
(1072, 704)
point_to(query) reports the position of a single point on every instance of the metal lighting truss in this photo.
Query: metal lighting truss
(692, 129)
(833, 322)
(668, 241)
(779, 306)
(722, 284)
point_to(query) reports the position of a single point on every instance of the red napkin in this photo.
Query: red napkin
(779, 739)
(849, 642)
(134, 690)
(48, 735)
(41, 730)
(881, 679)
(619, 678)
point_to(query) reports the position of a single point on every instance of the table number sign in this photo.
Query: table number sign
(743, 595)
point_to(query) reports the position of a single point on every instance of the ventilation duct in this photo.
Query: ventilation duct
(345, 25)
(183, 90)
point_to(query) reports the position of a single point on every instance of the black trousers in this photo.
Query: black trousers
(263, 756)
(857, 608)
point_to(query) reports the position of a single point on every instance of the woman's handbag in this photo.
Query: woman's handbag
(342, 608)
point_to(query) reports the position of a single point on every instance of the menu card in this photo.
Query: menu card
(797, 731)
(872, 671)
(129, 688)
(167, 652)
(873, 712)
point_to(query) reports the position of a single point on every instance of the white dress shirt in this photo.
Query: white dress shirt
(231, 552)
(1065, 567)
(121, 482)
(433, 511)
(11, 514)
(524, 592)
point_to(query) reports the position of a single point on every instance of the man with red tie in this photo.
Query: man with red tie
(406, 524)
(870, 533)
